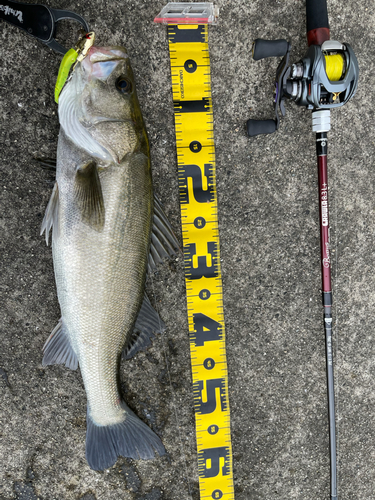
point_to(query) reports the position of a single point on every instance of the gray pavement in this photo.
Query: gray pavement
(268, 210)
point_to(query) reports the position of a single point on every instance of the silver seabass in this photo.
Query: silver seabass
(102, 214)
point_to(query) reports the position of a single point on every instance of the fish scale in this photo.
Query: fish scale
(95, 299)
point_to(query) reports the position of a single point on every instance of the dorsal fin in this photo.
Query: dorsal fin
(51, 216)
(47, 163)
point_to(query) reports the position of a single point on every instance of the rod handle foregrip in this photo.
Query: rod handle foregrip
(316, 14)
(317, 25)
(269, 48)
(257, 127)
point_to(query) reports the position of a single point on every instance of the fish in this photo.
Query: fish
(108, 233)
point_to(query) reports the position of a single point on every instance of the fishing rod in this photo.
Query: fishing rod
(326, 78)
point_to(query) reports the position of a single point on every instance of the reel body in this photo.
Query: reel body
(326, 78)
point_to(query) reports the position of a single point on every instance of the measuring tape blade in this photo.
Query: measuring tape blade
(191, 86)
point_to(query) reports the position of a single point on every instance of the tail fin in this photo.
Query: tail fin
(131, 438)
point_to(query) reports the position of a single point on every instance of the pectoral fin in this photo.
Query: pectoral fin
(88, 195)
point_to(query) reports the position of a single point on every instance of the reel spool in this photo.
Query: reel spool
(335, 66)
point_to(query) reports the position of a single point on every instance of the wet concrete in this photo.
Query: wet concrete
(268, 210)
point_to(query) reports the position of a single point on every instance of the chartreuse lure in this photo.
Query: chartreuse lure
(70, 59)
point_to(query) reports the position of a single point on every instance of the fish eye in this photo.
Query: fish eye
(124, 85)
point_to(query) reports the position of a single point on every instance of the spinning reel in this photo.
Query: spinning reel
(326, 78)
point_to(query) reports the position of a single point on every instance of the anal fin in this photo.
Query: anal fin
(147, 325)
(58, 350)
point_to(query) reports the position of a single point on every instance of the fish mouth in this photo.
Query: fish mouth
(101, 61)
(104, 119)
(103, 55)
(100, 57)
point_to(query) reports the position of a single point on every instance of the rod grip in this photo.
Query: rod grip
(269, 48)
(257, 127)
(316, 14)
(317, 25)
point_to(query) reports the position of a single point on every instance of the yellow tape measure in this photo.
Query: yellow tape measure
(191, 85)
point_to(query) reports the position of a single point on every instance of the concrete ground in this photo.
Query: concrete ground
(268, 210)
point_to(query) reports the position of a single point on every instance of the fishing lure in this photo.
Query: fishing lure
(70, 59)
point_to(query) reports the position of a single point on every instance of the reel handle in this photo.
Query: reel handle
(317, 22)
(262, 49)
(257, 127)
(269, 48)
